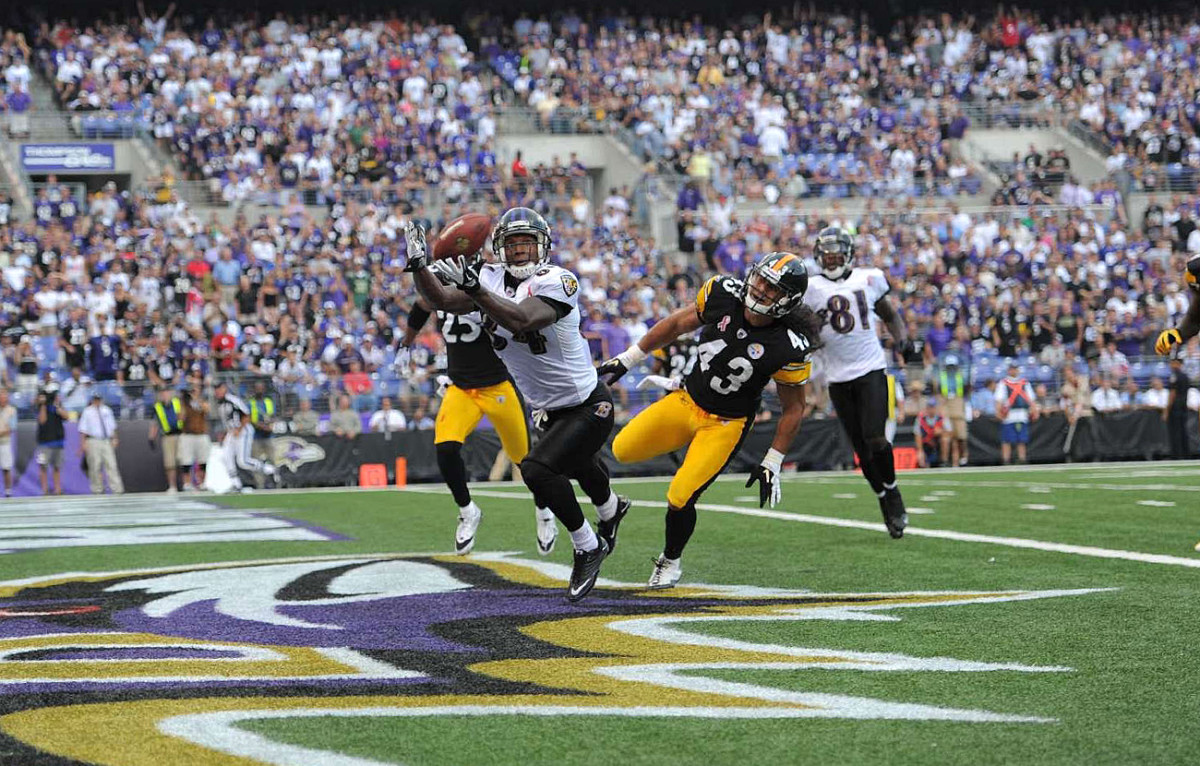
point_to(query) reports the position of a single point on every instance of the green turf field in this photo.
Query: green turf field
(1037, 616)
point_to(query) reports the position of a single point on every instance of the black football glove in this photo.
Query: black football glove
(767, 476)
(612, 371)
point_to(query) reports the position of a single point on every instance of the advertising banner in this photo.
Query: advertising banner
(68, 158)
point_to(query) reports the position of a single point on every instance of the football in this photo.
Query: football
(464, 235)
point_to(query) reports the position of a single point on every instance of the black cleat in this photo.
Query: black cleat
(586, 570)
(608, 529)
(894, 515)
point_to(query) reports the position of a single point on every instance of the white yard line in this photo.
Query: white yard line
(941, 534)
(904, 481)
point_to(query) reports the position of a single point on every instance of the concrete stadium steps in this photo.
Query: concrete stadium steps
(999, 144)
(54, 122)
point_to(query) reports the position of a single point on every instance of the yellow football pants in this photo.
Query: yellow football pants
(671, 423)
(462, 409)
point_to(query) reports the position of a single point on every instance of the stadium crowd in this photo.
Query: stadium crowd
(126, 291)
(290, 106)
(753, 109)
(828, 106)
(814, 104)
(133, 291)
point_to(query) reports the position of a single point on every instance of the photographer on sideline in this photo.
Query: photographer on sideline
(51, 434)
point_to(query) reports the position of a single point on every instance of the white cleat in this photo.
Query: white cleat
(666, 573)
(468, 523)
(547, 535)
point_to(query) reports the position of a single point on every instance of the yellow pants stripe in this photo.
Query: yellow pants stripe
(671, 423)
(462, 409)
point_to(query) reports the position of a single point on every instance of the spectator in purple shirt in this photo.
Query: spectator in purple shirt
(730, 257)
(689, 197)
(937, 340)
(18, 104)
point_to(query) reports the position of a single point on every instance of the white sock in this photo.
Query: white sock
(608, 508)
(544, 514)
(470, 509)
(584, 539)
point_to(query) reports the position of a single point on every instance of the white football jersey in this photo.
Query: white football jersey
(848, 323)
(552, 367)
(231, 409)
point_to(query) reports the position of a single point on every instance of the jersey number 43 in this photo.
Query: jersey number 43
(740, 369)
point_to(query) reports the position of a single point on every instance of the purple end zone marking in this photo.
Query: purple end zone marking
(327, 534)
(330, 685)
(135, 653)
(20, 627)
(398, 623)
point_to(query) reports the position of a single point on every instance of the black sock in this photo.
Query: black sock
(553, 490)
(454, 471)
(867, 464)
(884, 464)
(680, 525)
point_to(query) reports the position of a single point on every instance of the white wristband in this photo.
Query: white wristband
(632, 356)
(773, 460)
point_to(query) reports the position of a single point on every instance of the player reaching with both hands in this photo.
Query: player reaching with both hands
(478, 385)
(531, 310)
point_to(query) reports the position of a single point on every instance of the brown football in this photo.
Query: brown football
(464, 235)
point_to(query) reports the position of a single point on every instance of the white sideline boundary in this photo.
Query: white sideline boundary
(940, 534)
(944, 476)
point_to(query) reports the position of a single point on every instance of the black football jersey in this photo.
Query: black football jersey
(471, 362)
(735, 360)
(678, 358)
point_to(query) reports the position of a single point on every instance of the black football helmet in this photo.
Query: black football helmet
(1191, 275)
(835, 252)
(784, 272)
(522, 220)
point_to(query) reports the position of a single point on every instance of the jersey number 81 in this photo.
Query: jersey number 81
(839, 316)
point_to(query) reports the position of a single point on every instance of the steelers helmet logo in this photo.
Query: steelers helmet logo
(755, 351)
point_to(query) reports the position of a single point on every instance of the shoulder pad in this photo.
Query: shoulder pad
(716, 295)
(806, 323)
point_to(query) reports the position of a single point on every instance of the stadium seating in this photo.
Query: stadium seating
(425, 153)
